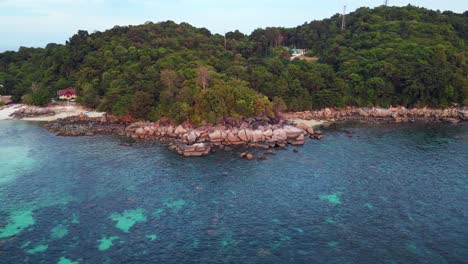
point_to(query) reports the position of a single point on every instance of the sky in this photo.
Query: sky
(35, 23)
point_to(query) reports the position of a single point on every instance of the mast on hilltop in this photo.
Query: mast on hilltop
(343, 22)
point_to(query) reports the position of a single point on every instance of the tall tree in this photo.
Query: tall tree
(203, 76)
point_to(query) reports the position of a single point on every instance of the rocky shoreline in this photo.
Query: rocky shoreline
(392, 114)
(191, 141)
(82, 125)
(33, 112)
(47, 113)
(186, 139)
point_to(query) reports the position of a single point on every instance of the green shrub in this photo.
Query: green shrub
(2, 103)
(27, 99)
(279, 104)
(327, 98)
(142, 104)
(122, 106)
(88, 96)
(40, 98)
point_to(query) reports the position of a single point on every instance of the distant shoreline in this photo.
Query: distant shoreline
(392, 114)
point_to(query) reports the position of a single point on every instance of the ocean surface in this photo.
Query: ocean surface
(385, 194)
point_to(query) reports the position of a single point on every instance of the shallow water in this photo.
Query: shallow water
(388, 194)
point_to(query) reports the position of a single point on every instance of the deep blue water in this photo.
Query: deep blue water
(388, 194)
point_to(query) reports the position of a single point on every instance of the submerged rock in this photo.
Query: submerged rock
(262, 145)
(195, 150)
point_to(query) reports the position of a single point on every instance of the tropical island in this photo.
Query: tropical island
(342, 140)
(173, 81)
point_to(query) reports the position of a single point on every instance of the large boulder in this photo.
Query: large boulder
(268, 133)
(234, 130)
(180, 130)
(363, 113)
(170, 131)
(292, 132)
(242, 135)
(192, 137)
(140, 132)
(380, 112)
(233, 139)
(463, 114)
(257, 136)
(195, 150)
(327, 113)
(245, 135)
(279, 135)
(299, 140)
(216, 136)
(302, 126)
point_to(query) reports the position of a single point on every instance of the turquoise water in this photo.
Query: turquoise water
(388, 194)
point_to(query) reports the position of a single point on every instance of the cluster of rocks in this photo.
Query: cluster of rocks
(392, 114)
(186, 139)
(87, 126)
(192, 141)
(189, 141)
(33, 112)
(194, 150)
(249, 156)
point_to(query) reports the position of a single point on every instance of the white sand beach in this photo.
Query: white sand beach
(6, 111)
(60, 112)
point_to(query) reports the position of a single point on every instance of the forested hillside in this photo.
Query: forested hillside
(386, 56)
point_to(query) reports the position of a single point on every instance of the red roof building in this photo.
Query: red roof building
(66, 94)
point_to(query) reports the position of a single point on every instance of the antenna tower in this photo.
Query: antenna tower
(386, 2)
(343, 23)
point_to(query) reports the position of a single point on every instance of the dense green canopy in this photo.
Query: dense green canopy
(386, 56)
